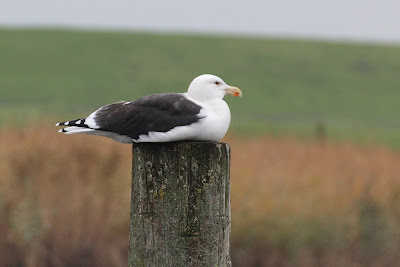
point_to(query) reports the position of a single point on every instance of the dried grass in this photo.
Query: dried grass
(64, 201)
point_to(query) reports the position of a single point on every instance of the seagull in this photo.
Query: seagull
(200, 114)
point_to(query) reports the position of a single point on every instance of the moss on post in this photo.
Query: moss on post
(180, 206)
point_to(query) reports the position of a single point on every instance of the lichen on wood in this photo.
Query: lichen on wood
(180, 206)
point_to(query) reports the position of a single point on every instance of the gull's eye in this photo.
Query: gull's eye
(217, 82)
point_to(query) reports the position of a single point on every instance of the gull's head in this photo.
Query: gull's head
(208, 87)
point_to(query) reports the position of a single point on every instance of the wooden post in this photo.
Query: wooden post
(180, 206)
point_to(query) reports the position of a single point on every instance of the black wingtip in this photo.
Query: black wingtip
(77, 122)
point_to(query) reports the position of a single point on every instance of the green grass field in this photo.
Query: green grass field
(288, 86)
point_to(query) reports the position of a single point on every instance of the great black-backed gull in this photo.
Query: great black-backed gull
(201, 114)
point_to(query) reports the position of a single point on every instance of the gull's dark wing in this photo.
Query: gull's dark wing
(153, 113)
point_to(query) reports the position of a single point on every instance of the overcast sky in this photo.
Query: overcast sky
(371, 20)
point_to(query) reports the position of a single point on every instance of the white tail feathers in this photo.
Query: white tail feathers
(75, 129)
(81, 130)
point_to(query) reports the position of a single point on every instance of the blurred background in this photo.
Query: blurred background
(315, 139)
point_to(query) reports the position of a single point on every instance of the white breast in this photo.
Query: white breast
(216, 122)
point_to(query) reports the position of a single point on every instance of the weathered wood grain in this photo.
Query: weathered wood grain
(180, 206)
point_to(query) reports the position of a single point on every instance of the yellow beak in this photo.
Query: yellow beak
(233, 91)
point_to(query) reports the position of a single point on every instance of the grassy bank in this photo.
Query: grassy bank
(289, 86)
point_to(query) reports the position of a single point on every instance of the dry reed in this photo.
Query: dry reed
(64, 201)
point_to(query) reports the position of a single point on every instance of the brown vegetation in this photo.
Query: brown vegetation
(64, 201)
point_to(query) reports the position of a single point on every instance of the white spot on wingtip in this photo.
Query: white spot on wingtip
(66, 123)
(60, 131)
(78, 122)
(57, 124)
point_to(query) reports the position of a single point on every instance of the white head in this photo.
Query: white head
(207, 87)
